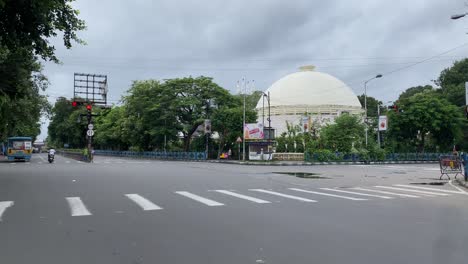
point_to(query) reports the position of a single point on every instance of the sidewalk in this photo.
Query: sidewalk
(303, 163)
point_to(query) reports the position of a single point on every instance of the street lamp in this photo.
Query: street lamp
(365, 100)
(244, 89)
(267, 95)
(457, 16)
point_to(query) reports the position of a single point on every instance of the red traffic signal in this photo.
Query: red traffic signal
(89, 107)
(74, 103)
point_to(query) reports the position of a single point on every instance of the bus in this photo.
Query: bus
(19, 148)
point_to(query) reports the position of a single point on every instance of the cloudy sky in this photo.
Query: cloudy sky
(263, 40)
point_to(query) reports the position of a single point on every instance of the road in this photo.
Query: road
(135, 211)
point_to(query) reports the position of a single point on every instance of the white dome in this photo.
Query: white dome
(310, 88)
(307, 94)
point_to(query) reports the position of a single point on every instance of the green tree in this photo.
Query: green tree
(196, 100)
(414, 90)
(372, 104)
(110, 129)
(21, 104)
(65, 125)
(346, 132)
(150, 115)
(452, 82)
(30, 23)
(425, 118)
(25, 27)
(228, 123)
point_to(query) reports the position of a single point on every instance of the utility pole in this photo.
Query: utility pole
(378, 125)
(365, 102)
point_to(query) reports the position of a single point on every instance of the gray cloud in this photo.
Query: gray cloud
(262, 40)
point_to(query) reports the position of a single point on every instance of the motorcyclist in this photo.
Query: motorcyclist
(51, 153)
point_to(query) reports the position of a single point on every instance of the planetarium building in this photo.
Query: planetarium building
(307, 98)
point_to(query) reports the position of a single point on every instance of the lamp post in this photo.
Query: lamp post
(243, 89)
(365, 102)
(267, 95)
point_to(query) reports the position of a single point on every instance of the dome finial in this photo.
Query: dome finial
(307, 68)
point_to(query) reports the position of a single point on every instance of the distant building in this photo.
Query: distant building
(307, 98)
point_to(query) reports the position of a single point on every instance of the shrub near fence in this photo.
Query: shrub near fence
(154, 154)
(328, 156)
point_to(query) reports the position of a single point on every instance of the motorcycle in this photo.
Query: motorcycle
(51, 158)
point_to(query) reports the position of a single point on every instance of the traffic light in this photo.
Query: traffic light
(395, 108)
(89, 107)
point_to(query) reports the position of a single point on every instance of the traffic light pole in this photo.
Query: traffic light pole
(90, 138)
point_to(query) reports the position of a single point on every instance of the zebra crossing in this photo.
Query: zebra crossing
(78, 208)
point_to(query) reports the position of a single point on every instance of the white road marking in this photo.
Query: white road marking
(329, 194)
(356, 193)
(385, 192)
(249, 198)
(39, 162)
(426, 188)
(67, 161)
(79, 161)
(3, 206)
(458, 188)
(284, 195)
(77, 206)
(409, 190)
(199, 198)
(144, 203)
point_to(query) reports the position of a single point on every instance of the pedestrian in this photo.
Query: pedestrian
(85, 154)
(229, 153)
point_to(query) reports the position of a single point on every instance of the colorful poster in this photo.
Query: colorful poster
(253, 131)
(382, 123)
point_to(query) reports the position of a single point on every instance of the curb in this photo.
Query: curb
(279, 163)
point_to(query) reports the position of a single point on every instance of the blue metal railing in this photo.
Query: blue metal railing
(172, 155)
(314, 157)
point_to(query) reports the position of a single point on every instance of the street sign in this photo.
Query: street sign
(239, 140)
(90, 133)
(90, 126)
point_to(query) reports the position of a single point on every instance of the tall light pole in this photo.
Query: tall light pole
(365, 102)
(267, 95)
(243, 87)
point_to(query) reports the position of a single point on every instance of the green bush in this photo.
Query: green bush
(323, 155)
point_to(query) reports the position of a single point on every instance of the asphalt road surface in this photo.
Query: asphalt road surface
(136, 211)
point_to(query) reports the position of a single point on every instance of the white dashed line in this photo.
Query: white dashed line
(385, 192)
(77, 206)
(356, 193)
(199, 199)
(241, 196)
(3, 206)
(328, 194)
(284, 195)
(409, 190)
(428, 189)
(144, 203)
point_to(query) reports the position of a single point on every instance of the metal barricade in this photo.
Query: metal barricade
(450, 164)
